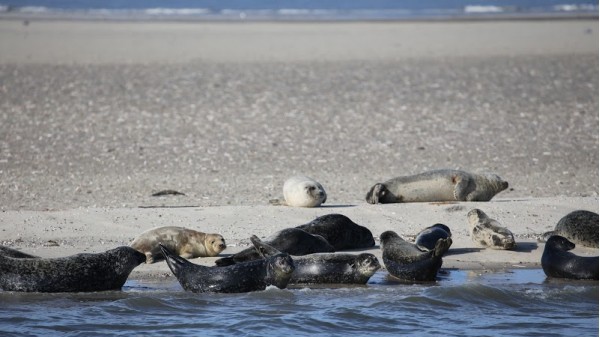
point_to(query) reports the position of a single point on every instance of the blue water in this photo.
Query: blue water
(297, 9)
(460, 303)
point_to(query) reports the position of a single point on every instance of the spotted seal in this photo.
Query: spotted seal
(183, 241)
(302, 191)
(293, 241)
(407, 262)
(428, 237)
(341, 232)
(326, 268)
(239, 278)
(558, 262)
(580, 227)
(489, 233)
(437, 185)
(78, 273)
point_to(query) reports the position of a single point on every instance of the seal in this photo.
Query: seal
(183, 241)
(341, 232)
(78, 273)
(428, 237)
(487, 232)
(580, 227)
(292, 241)
(326, 268)
(405, 261)
(437, 185)
(302, 191)
(239, 278)
(6, 251)
(558, 262)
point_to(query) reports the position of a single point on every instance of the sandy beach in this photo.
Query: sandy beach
(97, 116)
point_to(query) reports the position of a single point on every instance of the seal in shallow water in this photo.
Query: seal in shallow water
(558, 262)
(326, 268)
(438, 185)
(302, 191)
(293, 241)
(78, 273)
(341, 232)
(239, 278)
(428, 237)
(407, 262)
(580, 227)
(489, 233)
(183, 241)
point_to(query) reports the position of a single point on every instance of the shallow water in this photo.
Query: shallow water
(460, 303)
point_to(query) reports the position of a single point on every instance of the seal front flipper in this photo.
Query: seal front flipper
(174, 261)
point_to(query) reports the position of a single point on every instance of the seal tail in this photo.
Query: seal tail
(174, 261)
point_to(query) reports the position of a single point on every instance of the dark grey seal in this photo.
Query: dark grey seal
(428, 237)
(580, 227)
(239, 278)
(437, 185)
(326, 268)
(341, 232)
(406, 262)
(78, 273)
(558, 262)
(293, 241)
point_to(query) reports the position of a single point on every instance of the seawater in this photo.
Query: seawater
(460, 303)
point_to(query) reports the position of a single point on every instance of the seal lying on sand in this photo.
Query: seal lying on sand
(558, 262)
(406, 262)
(438, 185)
(5, 251)
(326, 268)
(293, 241)
(341, 232)
(487, 232)
(580, 227)
(302, 191)
(428, 237)
(183, 241)
(242, 277)
(77, 273)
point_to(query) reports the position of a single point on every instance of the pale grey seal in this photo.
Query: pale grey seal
(438, 185)
(183, 241)
(78, 273)
(489, 233)
(302, 191)
(241, 277)
(558, 262)
(580, 227)
(341, 232)
(407, 262)
(428, 237)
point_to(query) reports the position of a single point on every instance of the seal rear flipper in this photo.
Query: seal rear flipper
(442, 246)
(225, 261)
(278, 202)
(175, 262)
(263, 249)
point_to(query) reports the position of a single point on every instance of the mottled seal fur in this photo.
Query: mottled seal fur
(293, 241)
(302, 191)
(239, 278)
(341, 232)
(407, 262)
(326, 268)
(580, 227)
(428, 237)
(558, 262)
(438, 185)
(185, 242)
(487, 232)
(78, 273)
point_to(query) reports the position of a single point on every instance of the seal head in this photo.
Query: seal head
(558, 262)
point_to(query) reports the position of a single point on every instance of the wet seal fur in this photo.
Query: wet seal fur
(185, 242)
(428, 237)
(341, 232)
(405, 261)
(302, 191)
(326, 268)
(558, 262)
(489, 233)
(293, 241)
(437, 185)
(78, 273)
(580, 227)
(239, 278)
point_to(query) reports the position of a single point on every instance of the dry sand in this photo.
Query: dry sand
(96, 116)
